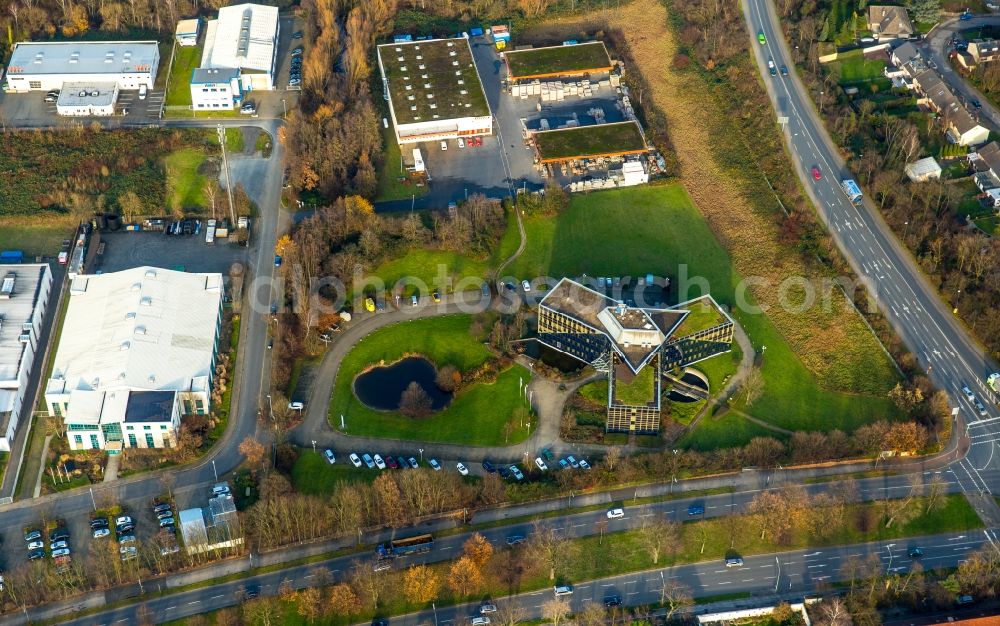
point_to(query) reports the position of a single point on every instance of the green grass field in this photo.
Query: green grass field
(639, 390)
(432, 269)
(389, 185)
(186, 60)
(853, 67)
(659, 230)
(313, 475)
(185, 186)
(234, 139)
(36, 237)
(590, 140)
(476, 415)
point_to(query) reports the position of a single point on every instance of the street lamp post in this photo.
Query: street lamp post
(314, 445)
(270, 409)
(93, 500)
(421, 455)
(215, 471)
(888, 549)
(777, 578)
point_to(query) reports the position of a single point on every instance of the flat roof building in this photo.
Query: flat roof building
(563, 61)
(136, 353)
(633, 345)
(187, 31)
(244, 37)
(215, 88)
(433, 89)
(46, 65)
(24, 297)
(87, 99)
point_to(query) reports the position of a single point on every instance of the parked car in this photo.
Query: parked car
(55, 545)
(435, 296)
(516, 471)
(32, 535)
(297, 34)
(248, 108)
(616, 513)
(584, 464)
(489, 467)
(161, 506)
(563, 590)
(461, 142)
(277, 260)
(402, 462)
(59, 534)
(480, 620)
(413, 463)
(36, 554)
(35, 545)
(541, 464)
(391, 462)
(60, 552)
(126, 539)
(547, 454)
(368, 461)
(164, 513)
(101, 531)
(296, 406)
(328, 453)
(166, 521)
(487, 607)
(563, 463)
(462, 469)
(525, 285)
(297, 51)
(573, 462)
(434, 464)
(355, 461)
(379, 462)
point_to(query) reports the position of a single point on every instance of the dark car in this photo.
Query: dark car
(784, 70)
(916, 553)
(391, 462)
(99, 522)
(251, 592)
(59, 534)
(547, 454)
(489, 467)
(696, 509)
(161, 507)
(297, 34)
(504, 471)
(401, 460)
(34, 555)
(513, 540)
(611, 601)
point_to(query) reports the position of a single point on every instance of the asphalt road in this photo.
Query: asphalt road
(935, 46)
(951, 357)
(193, 483)
(799, 570)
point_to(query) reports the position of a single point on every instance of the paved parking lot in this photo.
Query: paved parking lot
(29, 110)
(123, 250)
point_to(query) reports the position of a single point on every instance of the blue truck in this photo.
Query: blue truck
(11, 256)
(405, 547)
(852, 190)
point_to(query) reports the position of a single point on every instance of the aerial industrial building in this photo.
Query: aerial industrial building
(44, 66)
(137, 352)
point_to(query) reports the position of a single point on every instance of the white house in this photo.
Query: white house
(24, 296)
(245, 37)
(187, 32)
(215, 88)
(46, 65)
(137, 352)
(87, 99)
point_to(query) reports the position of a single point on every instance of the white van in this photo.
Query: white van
(564, 590)
(444, 145)
(142, 91)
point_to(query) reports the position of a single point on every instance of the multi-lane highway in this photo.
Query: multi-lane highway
(951, 357)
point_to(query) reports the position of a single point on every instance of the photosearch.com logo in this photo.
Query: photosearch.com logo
(315, 297)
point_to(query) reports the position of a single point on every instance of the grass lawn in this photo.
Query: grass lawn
(613, 554)
(727, 431)
(313, 475)
(234, 139)
(702, 316)
(659, 232)
(617, 138)
(558, 59)
(720, 367)
(186, 60)
(854, 67)
(37, 236)
(392, 174)
(475, 416)
(428, 270)
(640, 390)
(990, 225)
(684, 412)
(185, 186)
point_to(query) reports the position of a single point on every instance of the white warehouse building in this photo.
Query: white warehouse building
(137, 352)
(46, 65)
(434, 91)
(24, 296)
(244, 38)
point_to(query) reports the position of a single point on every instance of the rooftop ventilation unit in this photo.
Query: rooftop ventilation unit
(146, 301)
(150, 273)
(151, 379)
(455, 63)
(398, 49)
(125, 345)
(420, 57)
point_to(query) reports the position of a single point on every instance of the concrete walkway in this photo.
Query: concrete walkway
(41, 467)
(111, 470)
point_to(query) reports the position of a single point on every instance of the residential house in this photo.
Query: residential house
(960, 127)
(984, 50)
(889, 22)
(986, 161)
(923, 169)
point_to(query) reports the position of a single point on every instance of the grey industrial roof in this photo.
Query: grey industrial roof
(83, 57)
(204, 75)
(16, 310)
(83, 94)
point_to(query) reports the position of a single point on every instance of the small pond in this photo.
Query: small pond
(381, 387)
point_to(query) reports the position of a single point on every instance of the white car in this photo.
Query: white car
(461, 142)
(123, 519)
(296, 406)
(329, 456)
(355, 461)
(616, 513)
(101, 532)
(541, 464)
(444, 145)
(525, 285)
(379, 462)
(463, 470)
(434, 463)
(968, 393)
(60, 552)
(584, 464)
(734, 562)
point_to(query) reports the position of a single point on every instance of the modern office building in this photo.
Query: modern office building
(137, 353)
(633, 345)
(244, 38)
(46, 65)
(24, 297)
(216, 89)
(434, 91)
(87, 99)
(187, 32)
